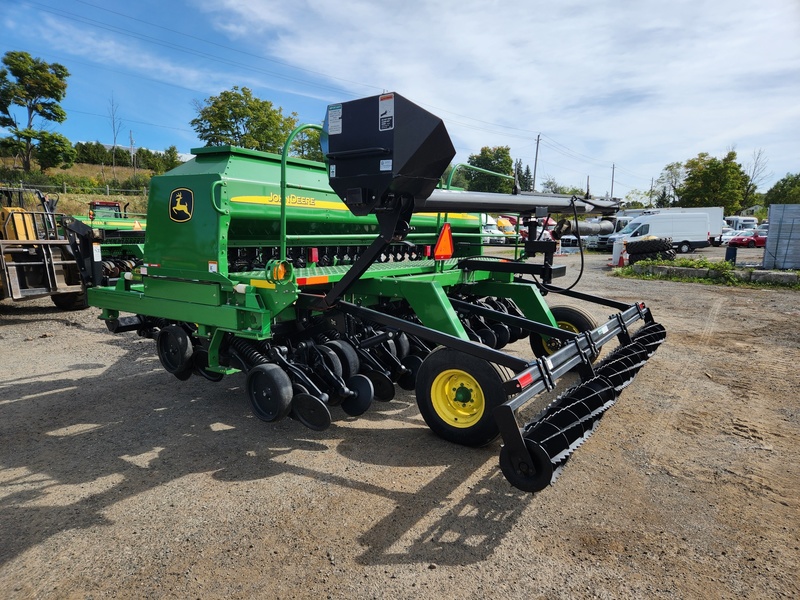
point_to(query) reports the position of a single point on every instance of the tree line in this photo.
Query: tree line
(237, 117)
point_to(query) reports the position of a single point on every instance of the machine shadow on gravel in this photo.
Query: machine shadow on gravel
(104, 439)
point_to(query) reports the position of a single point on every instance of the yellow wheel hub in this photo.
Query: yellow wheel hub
(554, 344)
(457, 398)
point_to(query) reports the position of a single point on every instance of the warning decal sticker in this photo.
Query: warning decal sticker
(386, 112)
(334, 119)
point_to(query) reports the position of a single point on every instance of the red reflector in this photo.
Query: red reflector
(444, 245)
(525, 380)
(427, 251)
(313, 255)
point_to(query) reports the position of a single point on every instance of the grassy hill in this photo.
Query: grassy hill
(90, 180)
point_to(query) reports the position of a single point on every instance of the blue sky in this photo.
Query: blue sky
(634, 84)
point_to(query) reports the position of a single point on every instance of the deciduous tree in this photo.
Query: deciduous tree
(54, 150)
(670, 181)
(785, 191)
(37, 87)
(756, 172)
(711, 181)
(237, 118)
(551, 186)
(497, 160)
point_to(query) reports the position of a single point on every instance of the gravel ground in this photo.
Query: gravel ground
(117, 480)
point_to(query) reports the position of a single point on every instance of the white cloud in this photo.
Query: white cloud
(636, 83)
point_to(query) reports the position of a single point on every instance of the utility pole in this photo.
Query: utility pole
(650, 196)
(133, 156)
(535, 160)
(612, 179)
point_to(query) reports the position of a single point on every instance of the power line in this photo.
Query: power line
(212, 43)
(475, 125)
(179, 48)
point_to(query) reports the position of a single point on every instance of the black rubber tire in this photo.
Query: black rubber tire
(348, 357)
(661, 255)
(175, 351)
(751, 244)
(634, 258)
(648, 245)
(684, 248)
(668, 254)
(568, 318)
(70, 301)
(482, 382)
(270, 392)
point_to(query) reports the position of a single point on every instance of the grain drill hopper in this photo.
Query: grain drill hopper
(328, 285)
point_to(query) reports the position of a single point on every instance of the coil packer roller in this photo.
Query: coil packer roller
(329, 299)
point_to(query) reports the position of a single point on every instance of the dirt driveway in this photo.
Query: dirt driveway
(117, 480)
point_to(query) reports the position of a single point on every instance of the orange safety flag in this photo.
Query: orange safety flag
(444, 245)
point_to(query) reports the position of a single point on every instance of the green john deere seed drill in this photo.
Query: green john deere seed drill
(329, 284)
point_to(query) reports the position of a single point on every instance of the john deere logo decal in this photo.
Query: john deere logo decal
(181, 205)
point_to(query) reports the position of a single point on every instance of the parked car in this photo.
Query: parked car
(510, 218)
(507, 228)
(749, 239)
(543, 235)
(727, 235)
(495, 236)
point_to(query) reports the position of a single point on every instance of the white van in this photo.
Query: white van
(738, 223)
(687, 230)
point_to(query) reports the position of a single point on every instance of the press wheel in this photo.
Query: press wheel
(175, 351)
(331, 360)
(348, 357)
(270, 391)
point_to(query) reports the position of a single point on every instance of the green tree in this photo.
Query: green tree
(237, 118)
(37, 87)
(306, 145)
(497, 160)
(551, 186)
(662, 199)
(92, 153)
(523, 175)
(637, 199)
(54, 150)
(711, 181)
(670, 181)
(785, 191)
(459, 179)
(145, 158)
(171, 159)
